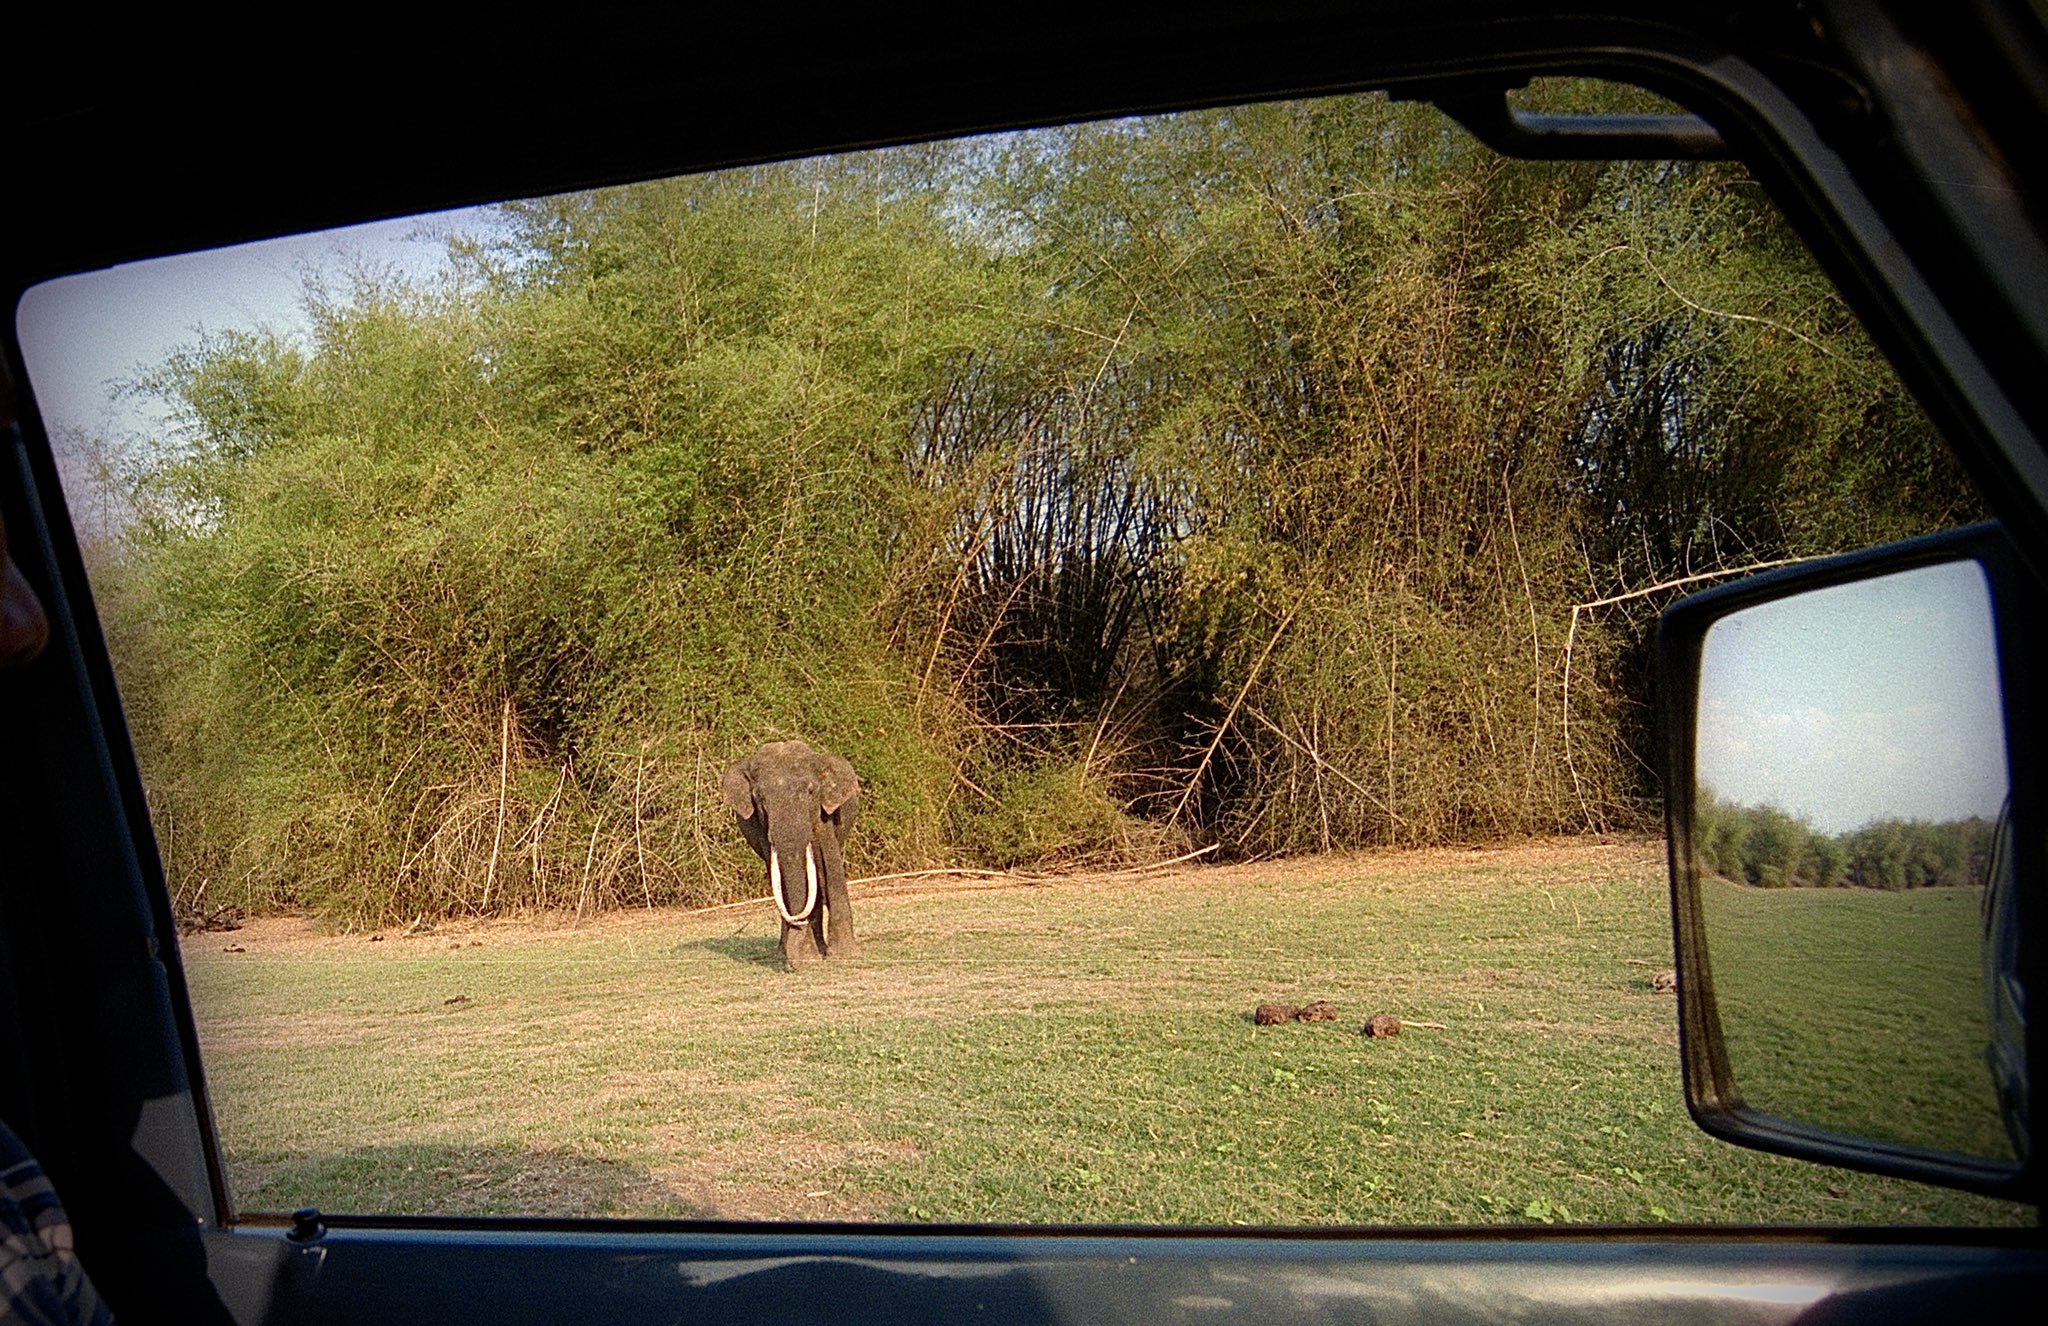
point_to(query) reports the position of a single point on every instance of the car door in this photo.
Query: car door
(1905, 149)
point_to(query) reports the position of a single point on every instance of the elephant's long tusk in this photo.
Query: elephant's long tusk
(810, 887)
(810, 880)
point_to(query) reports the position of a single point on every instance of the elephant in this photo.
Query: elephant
(795, 806)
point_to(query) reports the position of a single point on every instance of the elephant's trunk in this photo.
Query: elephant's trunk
(810, 885)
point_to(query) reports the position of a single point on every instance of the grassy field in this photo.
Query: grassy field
(1072, 1052)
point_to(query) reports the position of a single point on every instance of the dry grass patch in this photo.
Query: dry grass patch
(792, 1176)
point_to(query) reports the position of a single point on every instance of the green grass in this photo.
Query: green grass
(1078, 1052)
(1861, 1009)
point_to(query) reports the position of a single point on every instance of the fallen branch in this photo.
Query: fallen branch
(1682, 581)
(1571, 640)
(1044, 876)
(1002, 878)
(1147, 868)
(728, 906)
(931, 874)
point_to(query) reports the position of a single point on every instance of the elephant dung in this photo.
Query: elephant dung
(1322, 1010)
(1266, 1015)
(1383, 1024)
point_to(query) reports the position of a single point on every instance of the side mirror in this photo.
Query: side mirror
(1855, 822)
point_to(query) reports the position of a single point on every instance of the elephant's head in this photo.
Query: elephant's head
(781, 793)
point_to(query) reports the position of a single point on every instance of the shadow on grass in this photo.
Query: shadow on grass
(427, 1179)
(760, 950)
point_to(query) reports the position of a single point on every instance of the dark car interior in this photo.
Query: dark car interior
(1906, 145)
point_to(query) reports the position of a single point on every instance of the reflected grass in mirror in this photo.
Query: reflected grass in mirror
(1858, 1009)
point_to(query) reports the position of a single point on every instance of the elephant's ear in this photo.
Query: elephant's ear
(738, 786)
(837, 784)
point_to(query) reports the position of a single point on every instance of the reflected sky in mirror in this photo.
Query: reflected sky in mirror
(1869, 701)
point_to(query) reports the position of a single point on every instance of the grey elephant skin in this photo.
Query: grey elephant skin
(795, 807)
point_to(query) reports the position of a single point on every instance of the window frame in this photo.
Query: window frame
(1873, 137)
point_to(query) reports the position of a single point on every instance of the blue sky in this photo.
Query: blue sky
(84, 334)
(1875, 700)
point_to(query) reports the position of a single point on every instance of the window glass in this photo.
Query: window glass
(1223, 547)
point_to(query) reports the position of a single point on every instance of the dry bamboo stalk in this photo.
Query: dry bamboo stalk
(1535, 636)
(504, 772)
(697, 820)
(1203, 767)
(535, 829)
(1316, 756)
(995, 623)
(1683, 581)
(953, 599)
(639, 845)
(588, 857)
(1102, 725)
(1348, 781)
(1565, 727)
(1393, 695)
(960, 773)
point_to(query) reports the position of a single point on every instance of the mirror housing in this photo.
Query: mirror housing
(1784, 629)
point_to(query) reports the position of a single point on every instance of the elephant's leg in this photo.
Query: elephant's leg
(839, 940)
(800, 944)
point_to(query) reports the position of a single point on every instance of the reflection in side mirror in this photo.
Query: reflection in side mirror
(1843, 884)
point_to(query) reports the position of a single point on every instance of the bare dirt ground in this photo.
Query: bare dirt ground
(284, 935)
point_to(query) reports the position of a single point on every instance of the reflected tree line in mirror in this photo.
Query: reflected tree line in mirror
(1774, 848)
